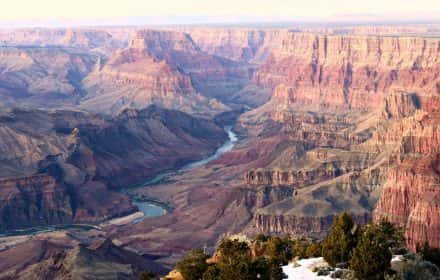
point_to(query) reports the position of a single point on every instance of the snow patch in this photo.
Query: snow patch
(302, 269)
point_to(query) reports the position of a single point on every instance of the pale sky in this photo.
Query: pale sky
(172, 11)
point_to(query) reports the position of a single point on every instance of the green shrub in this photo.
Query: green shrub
(235, 261)
(430, 254)
(418, 269)
(299, 248)
(314, 250)
(261, 237)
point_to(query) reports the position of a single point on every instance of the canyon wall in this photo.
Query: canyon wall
(411, 193)
(348, 72)
(301, 226)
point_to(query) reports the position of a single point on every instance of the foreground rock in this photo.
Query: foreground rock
(65, 258)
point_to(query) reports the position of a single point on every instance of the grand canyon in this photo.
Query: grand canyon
(122, 148)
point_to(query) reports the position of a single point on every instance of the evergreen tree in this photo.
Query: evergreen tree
(314, 250)
(212, 273)
(371, 259)
(299, 248)
(279, 250)
(235, 261)
(394, 236)
(193, 265)
(266, 269)
(340, 241)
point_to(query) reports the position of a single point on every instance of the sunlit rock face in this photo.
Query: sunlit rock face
(354, 72)
(410, 195)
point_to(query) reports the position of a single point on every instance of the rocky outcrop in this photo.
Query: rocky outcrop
(64, 258)
(133, 78)
(211, 75)
(300, 225)
(410, 199)
(318, 129)
(399, 105)
(40, 200)
(154, 140)
(263, 196)
(298, 178)
(311, 210)
(238, 44)
(32, 201)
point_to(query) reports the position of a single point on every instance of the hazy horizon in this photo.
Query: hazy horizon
(51, 13)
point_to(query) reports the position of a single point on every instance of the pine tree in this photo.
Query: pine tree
(371, 259)
(340, 241)
(279, 250)
(193, 265)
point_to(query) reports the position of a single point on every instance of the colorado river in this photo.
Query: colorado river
(151, 209)
(147, 207)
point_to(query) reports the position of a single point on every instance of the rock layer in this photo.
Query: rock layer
(411, 193)
(354, 72)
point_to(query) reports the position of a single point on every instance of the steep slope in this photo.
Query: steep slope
(82, 156)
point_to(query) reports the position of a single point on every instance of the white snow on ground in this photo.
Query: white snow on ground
(397, 258)
(304, 270)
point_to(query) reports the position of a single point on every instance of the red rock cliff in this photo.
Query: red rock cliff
(411, 194)
(349, 71)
